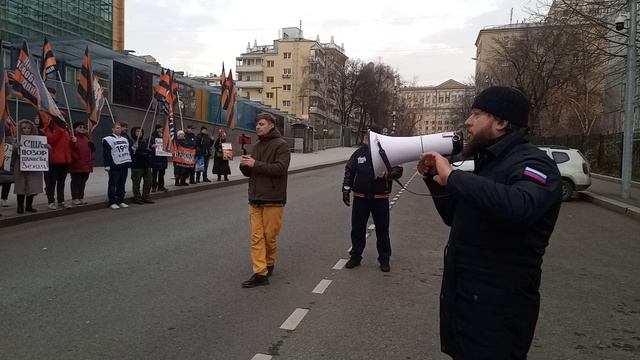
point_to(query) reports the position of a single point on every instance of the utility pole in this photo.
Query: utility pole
(629, 106)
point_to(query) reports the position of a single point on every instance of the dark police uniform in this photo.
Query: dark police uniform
(501, 218)
(370, 196)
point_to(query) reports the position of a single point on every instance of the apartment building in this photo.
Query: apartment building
(436, 109)
(292, 75)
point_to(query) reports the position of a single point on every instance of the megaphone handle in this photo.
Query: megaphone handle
(385, 159)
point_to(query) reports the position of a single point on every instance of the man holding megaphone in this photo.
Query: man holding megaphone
(501, 218)
(370, 196)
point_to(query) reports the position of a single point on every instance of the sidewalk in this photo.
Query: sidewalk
(96, 190)
(606, 191)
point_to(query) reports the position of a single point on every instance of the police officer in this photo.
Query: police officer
(501, 218)
(370, 196)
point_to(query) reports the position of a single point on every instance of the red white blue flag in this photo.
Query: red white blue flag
(535, 174)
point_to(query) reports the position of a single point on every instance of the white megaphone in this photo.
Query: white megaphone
(399, 150)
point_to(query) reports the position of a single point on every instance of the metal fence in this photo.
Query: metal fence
(604, 152)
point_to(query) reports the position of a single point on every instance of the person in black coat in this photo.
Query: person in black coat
(140, 167)
(501, 218)
(190, 138)
(204, 142)
(158, 164)
(370, 196)
(220, 165)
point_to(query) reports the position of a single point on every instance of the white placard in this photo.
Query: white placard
(8, 150)
(160, 151)
(34, 153)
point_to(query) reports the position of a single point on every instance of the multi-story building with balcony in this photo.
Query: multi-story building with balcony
(436, 109)
(292, 75)
(101, 21)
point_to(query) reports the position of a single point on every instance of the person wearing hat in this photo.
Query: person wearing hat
(220, 164)
(204, 142)
(82, 151)
(370, 197)
(501, 217)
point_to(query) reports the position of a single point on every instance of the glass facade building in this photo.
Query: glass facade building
(32, 20)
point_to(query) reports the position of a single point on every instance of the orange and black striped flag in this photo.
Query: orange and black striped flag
(48, 64)
(231, 101)
(169, 132)
(228, 86)
(85, 88)
(162, 91)
(28, 84)
(4, 112)
(173, 85)
(224, 93)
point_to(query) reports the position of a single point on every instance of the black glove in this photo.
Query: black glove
(346, 196)
(396, 172)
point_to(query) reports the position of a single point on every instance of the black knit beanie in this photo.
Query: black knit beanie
(505, 103)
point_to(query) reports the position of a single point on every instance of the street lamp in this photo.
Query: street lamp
(276, 87)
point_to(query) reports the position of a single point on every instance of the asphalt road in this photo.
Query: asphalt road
(163, 282)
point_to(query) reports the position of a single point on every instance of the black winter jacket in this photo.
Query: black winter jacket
(501, 218)
(359, 176)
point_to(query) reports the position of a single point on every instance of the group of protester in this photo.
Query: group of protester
(71, 152)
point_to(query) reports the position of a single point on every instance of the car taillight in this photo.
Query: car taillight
(585, 168)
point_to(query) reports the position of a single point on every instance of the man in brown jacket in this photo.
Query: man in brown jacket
(267, 171)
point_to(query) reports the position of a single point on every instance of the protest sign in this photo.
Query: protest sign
(34, 153)
(227, 151)
(159, 150)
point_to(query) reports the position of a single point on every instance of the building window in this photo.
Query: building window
(270, 79)
(287, 55)
(286, 102)
(71, 74)
(269, 95)
(286, 73)
(286, 87)
(270, 63)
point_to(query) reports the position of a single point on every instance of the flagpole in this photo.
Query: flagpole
(64, 93)
(17, 103)
(180, 109)
(153, 124)
(146, 113)
(109, 107)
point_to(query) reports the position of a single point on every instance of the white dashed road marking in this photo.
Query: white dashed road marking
(322, 286)
(294, 319)
(371, 227)
(261, 357)
(340, 264)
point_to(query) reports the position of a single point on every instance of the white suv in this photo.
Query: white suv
(573, 167)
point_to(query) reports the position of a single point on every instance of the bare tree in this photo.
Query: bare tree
(344, 85)
(536, 62)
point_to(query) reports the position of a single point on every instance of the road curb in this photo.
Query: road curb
(634, 184)
(103, 205)
(613, 205)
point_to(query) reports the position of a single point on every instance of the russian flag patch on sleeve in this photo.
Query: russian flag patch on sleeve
(535, 174)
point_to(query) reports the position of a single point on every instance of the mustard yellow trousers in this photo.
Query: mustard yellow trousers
(265, 228)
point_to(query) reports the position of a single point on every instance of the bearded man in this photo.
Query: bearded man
(501, 217)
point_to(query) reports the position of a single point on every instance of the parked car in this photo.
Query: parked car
(574, 168)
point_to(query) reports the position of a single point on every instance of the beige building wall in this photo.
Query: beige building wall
(437, 108)
(291, 75)
(118, 25)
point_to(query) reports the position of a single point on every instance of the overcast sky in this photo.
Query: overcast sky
(427, 41)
